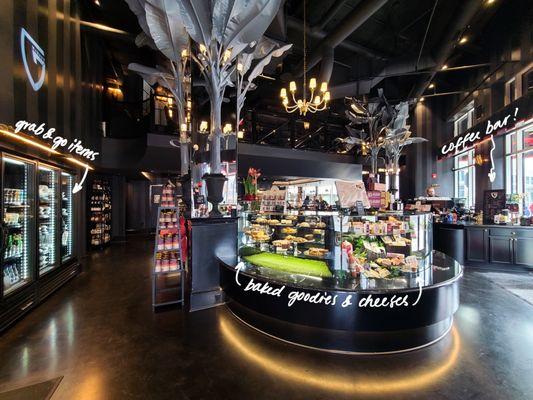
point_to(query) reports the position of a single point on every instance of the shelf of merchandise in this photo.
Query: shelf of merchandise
(158, 273)
(100, 213)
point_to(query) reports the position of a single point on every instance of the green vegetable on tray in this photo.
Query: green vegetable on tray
(290, 264)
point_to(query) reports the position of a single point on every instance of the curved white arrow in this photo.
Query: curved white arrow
(492, 173)
(238, 267)
(78, 186)
(419, 281)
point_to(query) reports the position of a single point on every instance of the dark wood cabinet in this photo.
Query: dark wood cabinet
(499, 245)
(477, 244)
(523, 251)
(501, 249)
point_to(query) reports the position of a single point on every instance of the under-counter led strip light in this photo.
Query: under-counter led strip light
(43, 147)
(78, 162)
(28, 141)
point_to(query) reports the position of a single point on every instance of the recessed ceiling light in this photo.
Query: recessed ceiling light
(431, 86)
(463, 40)
(445, 66)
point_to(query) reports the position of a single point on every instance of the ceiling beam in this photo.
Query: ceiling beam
(296, 24)
(467, 10)
(360, 14)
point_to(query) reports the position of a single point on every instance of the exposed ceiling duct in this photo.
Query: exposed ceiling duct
(363, 86)
(468, 9)
(361, 13)
(333, 10)
(297, 24)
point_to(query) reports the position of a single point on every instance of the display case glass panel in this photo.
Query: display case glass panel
(18, 223)
(319, 249)
(67, 215)
(47, 218)
(300, 244)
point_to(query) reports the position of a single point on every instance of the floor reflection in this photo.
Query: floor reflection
(351, 380)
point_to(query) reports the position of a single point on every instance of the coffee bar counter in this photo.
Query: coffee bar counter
(355, 315)
(485, 244)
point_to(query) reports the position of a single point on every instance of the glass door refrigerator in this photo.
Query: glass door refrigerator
(47, 218)
(67, 183)
(18, 223)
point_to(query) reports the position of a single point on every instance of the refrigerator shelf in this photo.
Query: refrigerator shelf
(15, 286)
(14, 226)
(13, 257)
(170, 271)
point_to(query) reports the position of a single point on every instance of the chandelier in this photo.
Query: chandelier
(314, 103)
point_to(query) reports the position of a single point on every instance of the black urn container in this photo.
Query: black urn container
(215, 187)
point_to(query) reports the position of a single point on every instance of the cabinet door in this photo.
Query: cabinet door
(476, 244)
(523, 251)
(501, 249)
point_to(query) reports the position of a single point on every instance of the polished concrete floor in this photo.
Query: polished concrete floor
(100, 333)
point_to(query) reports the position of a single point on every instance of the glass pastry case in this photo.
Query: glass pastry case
(329, 245)
(342, 283)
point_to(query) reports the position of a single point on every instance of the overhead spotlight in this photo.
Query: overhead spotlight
(489, 2)
(97, 2)
(431, 86)
(463, 40)
(422, 99)
(445, 66)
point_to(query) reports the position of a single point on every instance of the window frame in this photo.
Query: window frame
(467, 114)
(516, 183)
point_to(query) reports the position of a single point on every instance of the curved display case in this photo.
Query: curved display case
(363, 293)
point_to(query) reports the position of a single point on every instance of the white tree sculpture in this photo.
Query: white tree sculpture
(264, 51)
(222, 29)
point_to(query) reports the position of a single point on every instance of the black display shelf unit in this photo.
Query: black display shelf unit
(99, 213)
(168, 282)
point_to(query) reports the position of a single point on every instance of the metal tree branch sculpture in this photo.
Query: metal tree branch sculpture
(264, 51)
(222, 29)
(397, 137)
(163, 30)
(379, 125)
(365, 128)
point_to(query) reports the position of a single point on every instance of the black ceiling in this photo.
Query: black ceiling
(392, 35)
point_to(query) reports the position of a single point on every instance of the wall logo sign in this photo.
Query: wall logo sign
(33, 59)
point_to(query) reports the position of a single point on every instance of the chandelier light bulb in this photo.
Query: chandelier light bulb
(292, 86)
(184, 53)
(203, 49)
(240, 67)
(203, 126)
(183, 127)
(308, 102)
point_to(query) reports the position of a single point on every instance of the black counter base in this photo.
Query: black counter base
(340, 341)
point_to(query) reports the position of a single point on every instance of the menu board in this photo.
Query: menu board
(493, 203)
(273, 200)
(350, 192)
